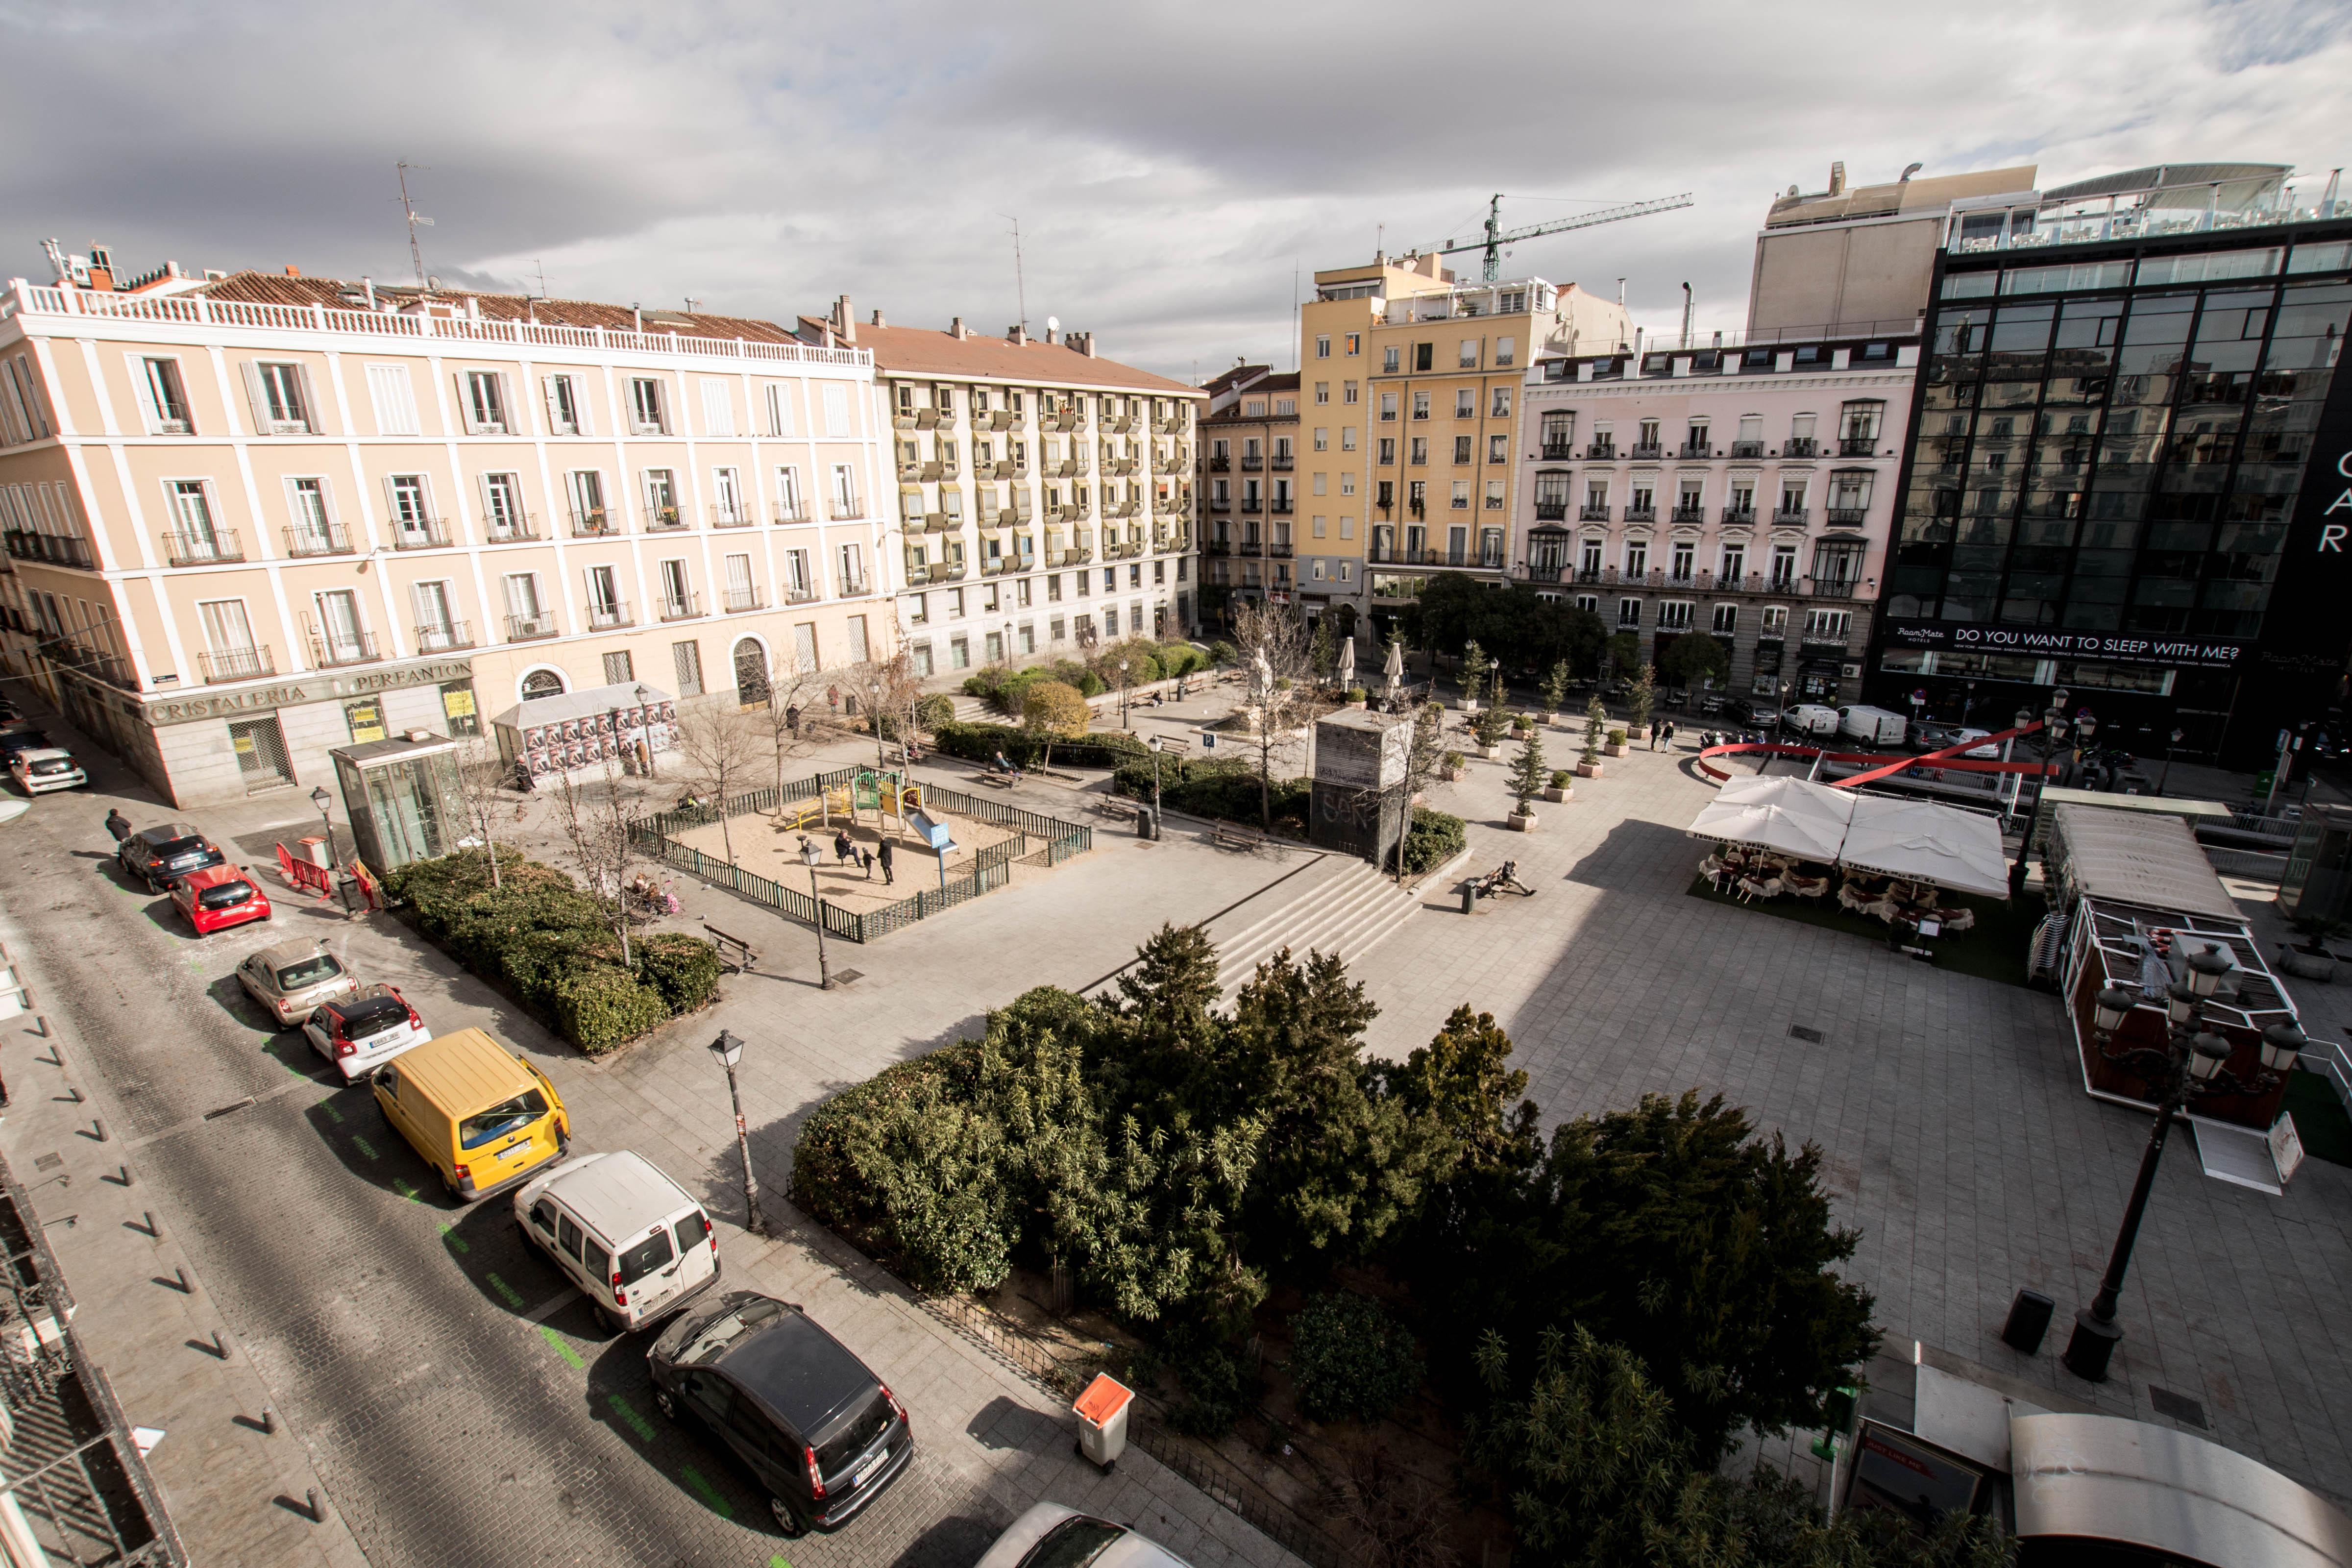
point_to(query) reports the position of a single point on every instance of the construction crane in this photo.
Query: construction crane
(1495, 239)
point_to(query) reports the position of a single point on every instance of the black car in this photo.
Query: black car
(818, 1431)
(158, 856)
(24, 739)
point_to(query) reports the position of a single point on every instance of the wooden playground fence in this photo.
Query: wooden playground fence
(991, 868)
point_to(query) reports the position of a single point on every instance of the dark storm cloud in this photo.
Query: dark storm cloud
(1171, 165)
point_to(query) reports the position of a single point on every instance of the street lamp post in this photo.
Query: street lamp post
(2053, 727)
(729, 1048)
(2166, 777)
(2188, 1065)
(324, 803)
(644, 700)
(1780, 714)
(811, 856)
(1155, 743)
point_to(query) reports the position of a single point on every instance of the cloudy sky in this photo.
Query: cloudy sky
(1173, 166)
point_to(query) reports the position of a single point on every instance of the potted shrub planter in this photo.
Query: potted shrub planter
(2311, 959)
(1493, 753)
(1452, 767)
(1524, 821)
(1616, 746)
(1561, 790)
(1587, 770)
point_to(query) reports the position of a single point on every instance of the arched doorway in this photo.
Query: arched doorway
(541, 683)
(750, 673)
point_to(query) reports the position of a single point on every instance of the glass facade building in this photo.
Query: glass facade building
(2125, 451)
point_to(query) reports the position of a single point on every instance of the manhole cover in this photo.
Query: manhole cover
(2180, 1407)
(844, 976)
(48, 1161)
(1812, 1035)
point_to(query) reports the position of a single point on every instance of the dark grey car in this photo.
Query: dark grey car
(820, 1434)
(159, 855)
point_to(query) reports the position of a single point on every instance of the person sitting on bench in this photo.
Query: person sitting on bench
(1005, 768)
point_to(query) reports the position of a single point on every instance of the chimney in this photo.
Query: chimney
(845, 323)
(102, 267)
(368, 284)
(1837, 178)
(636, 318)
(878, 320)
(956, 329)
(1016, 334)
(293, 270)
(1084, 342)
(1050, 336)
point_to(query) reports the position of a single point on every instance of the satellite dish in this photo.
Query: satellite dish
(1053, 323)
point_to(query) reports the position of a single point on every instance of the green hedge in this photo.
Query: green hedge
(545, 942)
(1434, 838)
(980, 742)
(1224, 787)
(1004, 687)
(1350, 1358)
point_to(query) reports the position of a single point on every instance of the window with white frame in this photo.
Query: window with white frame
(727, 508)
(281, 395)
(584, 488)
(717, 408)
(790, 507)
(313, 531)
(502, 508)
(1675, 615)
(227, 636)
(1348, 437)
(852, 562)
(648, 407)
(1772, 620)
(437, 628)
(394, 400)
(1466, 403)
(414, 526)
(567, 409)
(677, 590)
(342, 634)
(780, 408)
(482, 400)
(1726, 620)
(1500, 408)
(1628, 612)
(526, 616)
(661, 499)
(1828, 626)
(844, 491)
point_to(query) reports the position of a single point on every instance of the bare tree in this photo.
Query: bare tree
(479, 774)
(1121, 667)
(719, 745)
(1276, 654)
(596, 828)
(779, 721)
(886, 692)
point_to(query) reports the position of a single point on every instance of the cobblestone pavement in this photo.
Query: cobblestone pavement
(1949, 1109)
(457, 1400)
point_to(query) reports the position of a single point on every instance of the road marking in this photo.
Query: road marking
(456, 1243)
(400, 1185)
(513, 1297)
(363, 1146)
(778, 1562)
(570, 1356)
(332, 1114)
(719, 1505)
(630, 1418)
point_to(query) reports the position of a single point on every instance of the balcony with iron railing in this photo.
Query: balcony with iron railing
(1283, 462)
(1221, 503)
(184, 546)
(1281, 548)
(610, 615)
(1220, 465)
(854, 585)
(1592, 512)
(1282, 505)
(1748, 448)
(849, 511)
(1647, 451)
(1800, 446)
(1791, 517)
(684, 607)
(318, 539)
(52, 549)
(514, 527)
(1559, 451)
(786, 515)
(1694, 451)
(1739, 516)
(1552, 511)
(1252, 463)
(1844, 516)
(528, 629)
(446, 637)
(1688, 514)
(1641, 515)
(597, 523)
(420, 533)
(726, 515)
(805, 593)
(236, 664)
(1857, 446)
(1600, 451)
(334, 652)
(663, 519)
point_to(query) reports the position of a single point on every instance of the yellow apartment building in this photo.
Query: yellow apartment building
(1045, 502)
(250, 518)
(1250, 484)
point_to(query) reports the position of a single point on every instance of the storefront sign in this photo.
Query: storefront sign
(195, 707)
(2178, 653)
(367, 719)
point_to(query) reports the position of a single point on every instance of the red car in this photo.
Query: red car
(219, 896)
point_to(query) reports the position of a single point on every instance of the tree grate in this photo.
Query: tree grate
(1813, 1036)
(2179, 1407)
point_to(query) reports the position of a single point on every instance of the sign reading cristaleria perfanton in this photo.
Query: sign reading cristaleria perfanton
(305, 689)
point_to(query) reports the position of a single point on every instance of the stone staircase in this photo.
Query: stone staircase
(1336, 903)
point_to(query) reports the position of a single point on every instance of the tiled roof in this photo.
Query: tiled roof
(1226, 378)
(923, 351)
(275, 288)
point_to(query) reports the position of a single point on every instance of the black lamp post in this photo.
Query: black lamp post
(812, 856)
(2188, 1065)
(1155, 743)
(2166, 777)
(1780, 714)
(2054, 727)
(729, 1048)
(645, 699)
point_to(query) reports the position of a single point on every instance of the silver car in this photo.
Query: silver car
(292, 978)
(1051, 1534)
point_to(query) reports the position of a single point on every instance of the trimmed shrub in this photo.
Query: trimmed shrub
(1222, 653)
(934, 711)
(1214, 1392)
(1215, 787)
(980, 742)
(1434, 838)
(601, 1005)
(683, 969)
(1350, 1358)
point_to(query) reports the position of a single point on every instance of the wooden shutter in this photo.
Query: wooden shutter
(466, 404)
(310, 410)
(256, 396)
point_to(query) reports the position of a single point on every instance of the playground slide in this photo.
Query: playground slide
(933, 832)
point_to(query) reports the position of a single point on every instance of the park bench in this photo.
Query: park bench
(734, 953)
(1232, 835)
(996, 781)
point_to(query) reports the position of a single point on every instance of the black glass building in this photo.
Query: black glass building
(2128, 466)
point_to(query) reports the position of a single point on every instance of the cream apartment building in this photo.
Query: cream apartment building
(1250, 485)
(250, 517)
(1045, 502)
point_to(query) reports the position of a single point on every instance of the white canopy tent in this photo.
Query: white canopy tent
(1921, 841)
(1788, 815)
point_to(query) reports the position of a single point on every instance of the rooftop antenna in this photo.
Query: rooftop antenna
(415, 255)
(1019, 285)
(542, 276)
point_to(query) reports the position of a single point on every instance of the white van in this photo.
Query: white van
(1873, 726)
(624, 1233)
(1812, 719)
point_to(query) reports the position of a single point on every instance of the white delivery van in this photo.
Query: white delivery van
(624, 1233)
(1812, 719)
(1873, 726)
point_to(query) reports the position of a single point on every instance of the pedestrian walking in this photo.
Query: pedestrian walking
(1670, 734)
(866, 856)
(844, 847)
(118, 825)
(888, 878)
(792, 719)
(1654, 735)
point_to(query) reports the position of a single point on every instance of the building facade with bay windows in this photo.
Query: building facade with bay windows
(250, 517)
(2126, 474)
(1741, 490)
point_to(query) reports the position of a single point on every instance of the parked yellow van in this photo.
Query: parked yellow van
(482, 1117)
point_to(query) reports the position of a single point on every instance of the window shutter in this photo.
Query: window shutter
(546, 396)
(256, 397)
(466, 405)
(391, 503)
(717, 408)
(509, 410)
(310, 411)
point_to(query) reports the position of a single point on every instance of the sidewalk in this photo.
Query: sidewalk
(234, 1493)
